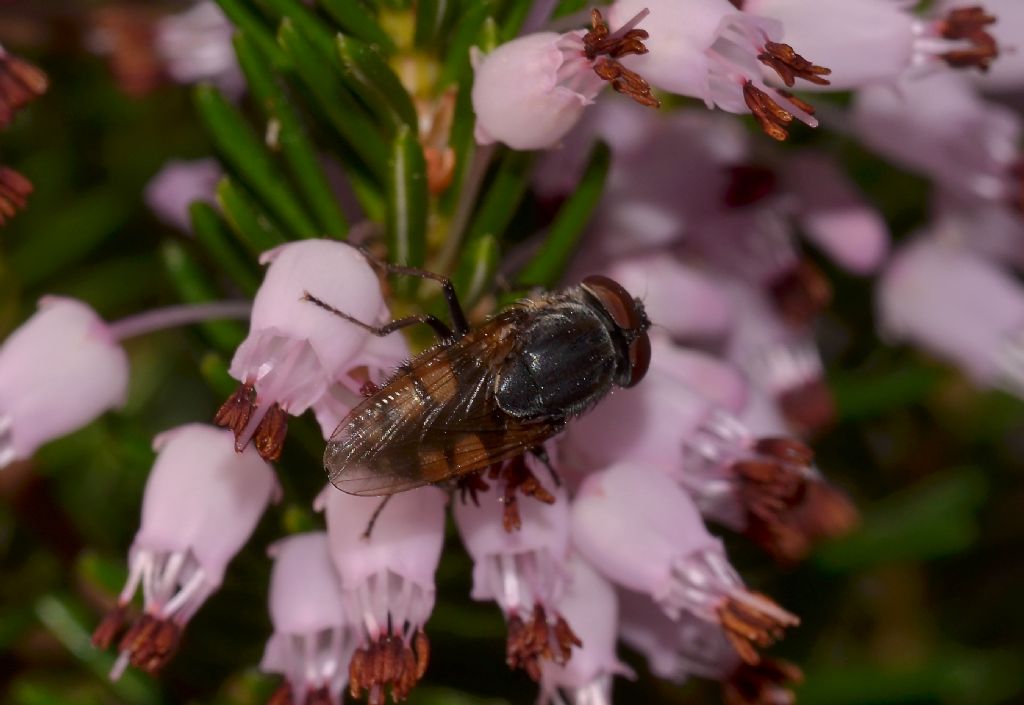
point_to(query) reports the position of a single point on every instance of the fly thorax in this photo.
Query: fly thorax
(564, 362)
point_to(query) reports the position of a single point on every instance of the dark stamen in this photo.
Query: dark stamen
(791, 66)
(748, 627)
(772, 119)
(14, 192)
(518, 478)
(801, 293)
(767, 683)
(235, 412)
(604, 48)
(271, 432)
(389, 662)
(968, 23)
(534, 638)
(20, 83)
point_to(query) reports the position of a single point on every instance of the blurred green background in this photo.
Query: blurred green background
(922, 605)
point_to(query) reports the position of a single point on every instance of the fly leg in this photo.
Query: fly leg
(376, 515)
(541, 454)
(459, 321)
(442, 330)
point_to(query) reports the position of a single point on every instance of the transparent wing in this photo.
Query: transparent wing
(435, 419)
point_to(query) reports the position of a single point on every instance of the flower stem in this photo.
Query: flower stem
(175, 316)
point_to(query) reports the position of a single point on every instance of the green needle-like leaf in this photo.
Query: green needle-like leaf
(513, 17)
(354, 20)
(370, 77)
(475, 269)
(241, 15)
(431, 17)
(407, 201)
(456, 67)
(547, 266)
(311, 26)
(214, 236)
(253, 227)
(195, 287)
(248, 156)
(503, 196)
(296, 147)
(345, 114)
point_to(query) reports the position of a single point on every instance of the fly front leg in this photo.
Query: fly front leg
(442, 330)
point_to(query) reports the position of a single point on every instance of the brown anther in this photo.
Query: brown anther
(749, 184)
(20, 84)
(151, 643)
(604, 48)
(518, 478)
(826, 512)
(772, 119)
(271, 432)
(388, 664)
(235, 412)
(14, 192)
(470, 485)
(790, 66)
(810, 407)
(111, 626)
(748, 627)
(538, 639)
(968, 24)
(769, 682)
(801, 293)
(282, 695)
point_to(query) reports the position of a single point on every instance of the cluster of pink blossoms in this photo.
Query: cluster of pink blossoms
(700, 219)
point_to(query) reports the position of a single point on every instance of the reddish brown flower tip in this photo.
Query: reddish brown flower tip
(801, 293)
(111, 626)
(390, 663)
(20, 84)
(767, 683)
(748, 184)
(271, 432)
(604, 48)
(150, 643)
(749, 625)
(536, 638)
(790, 66)
(14, 192)
(968, 24)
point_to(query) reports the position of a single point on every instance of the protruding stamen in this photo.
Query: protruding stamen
(748, 625)
(470, 486)
(150, 643)
(271, 432)
(772, 119)
(235, 412)
(968, 24)
(14, 192)
(518, 478)
(801, 293)
(767, 683)
(790, 66)
(604, 48)
(110, 627)
(20, 83)
(388, 662)
(535, 638)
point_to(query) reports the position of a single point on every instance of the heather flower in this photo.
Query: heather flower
(707, 49)
(529, 92)
(643, 532)
(1007, 73)
(195, 45)
(59, 370)
(939, 127)
(868, 42)
(677, 650)
(387, 583)
(170, 193)
(521, 567)
(958, 306)
(295, 351)
(201, 503)
(586, 679)
(312, 641)
(20, 83)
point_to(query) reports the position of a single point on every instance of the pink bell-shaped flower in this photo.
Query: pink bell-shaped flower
(201, 504)
(868, 42)
(387, 583)
(590, 602)
(529, 92)
(676, 650)
(312, 641)
(522, 570)
(195, 45)
(59, 370)
(178, 183)
(707, 49)
(643, 532)
(296, 351)
(958, 306)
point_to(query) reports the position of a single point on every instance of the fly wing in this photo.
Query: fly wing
(435, 419)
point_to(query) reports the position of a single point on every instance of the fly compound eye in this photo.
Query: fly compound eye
(616, 302)
(639, 359)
